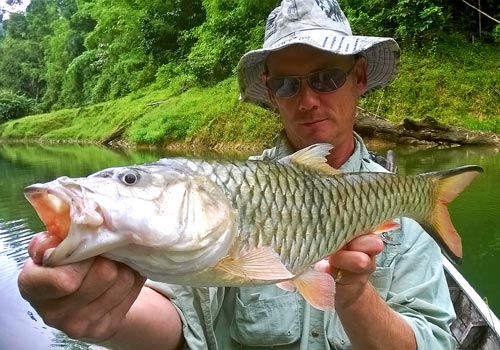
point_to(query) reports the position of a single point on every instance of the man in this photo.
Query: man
(391, 292)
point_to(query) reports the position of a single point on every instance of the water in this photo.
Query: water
(476, 215)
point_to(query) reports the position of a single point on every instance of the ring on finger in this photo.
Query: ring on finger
(338, 276)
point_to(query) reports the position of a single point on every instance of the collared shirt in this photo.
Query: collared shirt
(409, 277)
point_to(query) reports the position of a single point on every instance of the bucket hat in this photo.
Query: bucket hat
(323, 25)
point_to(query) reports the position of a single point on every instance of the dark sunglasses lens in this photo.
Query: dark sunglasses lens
(283, 86)
(328, 80)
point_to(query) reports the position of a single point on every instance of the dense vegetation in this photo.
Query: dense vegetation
(117, 57)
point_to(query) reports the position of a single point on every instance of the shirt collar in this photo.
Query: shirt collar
(353, 164)
(358, 157)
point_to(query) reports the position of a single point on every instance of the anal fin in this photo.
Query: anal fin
(317, 288)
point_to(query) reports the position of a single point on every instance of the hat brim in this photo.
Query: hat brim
(382, 56)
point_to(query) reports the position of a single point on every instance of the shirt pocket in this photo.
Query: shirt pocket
(266, 316)
(381, 278)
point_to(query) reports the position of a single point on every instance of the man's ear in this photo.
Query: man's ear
(360, 75)
(272, 98)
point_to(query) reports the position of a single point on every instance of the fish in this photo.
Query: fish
(209, 223)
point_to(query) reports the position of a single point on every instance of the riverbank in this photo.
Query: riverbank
(455, 84)
(156, 117)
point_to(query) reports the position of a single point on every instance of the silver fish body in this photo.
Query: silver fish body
(209, 223)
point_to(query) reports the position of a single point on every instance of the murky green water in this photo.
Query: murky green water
(476, 215)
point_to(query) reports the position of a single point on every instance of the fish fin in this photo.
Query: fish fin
(386, 226)
(257, 264)
(288, 285)
(450, 184)
(317, 288)
(312, 157)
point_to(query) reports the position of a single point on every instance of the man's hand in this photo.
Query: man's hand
(366, 318)
(351, 267)
(87, 300)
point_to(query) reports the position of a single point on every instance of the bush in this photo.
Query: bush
(13, 106)
(408, 21)
(496, 34)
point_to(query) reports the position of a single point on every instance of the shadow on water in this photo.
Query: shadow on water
(475, 213)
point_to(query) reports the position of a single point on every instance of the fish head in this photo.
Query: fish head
(150, 217)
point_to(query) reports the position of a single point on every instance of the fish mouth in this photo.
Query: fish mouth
(53, 208)
(68, 213)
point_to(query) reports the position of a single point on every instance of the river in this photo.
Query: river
(475, 213)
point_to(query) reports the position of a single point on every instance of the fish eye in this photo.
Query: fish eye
(130, 178)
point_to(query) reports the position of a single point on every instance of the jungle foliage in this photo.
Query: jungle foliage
(68, 53)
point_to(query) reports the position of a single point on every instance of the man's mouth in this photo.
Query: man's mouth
(313, 122)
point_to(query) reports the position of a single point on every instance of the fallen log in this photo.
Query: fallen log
(427, 130)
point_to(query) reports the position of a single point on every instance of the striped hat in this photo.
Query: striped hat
(323, 25)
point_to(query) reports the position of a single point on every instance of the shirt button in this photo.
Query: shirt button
(314, 333)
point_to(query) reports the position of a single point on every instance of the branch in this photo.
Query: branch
(485, 14)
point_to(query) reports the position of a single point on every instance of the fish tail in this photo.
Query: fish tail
(450, 184)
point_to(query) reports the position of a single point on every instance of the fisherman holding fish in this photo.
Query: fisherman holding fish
(382, 290)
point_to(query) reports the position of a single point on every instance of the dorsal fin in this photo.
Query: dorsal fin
(312, 157)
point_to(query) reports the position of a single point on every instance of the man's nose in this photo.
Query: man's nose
(308, 98)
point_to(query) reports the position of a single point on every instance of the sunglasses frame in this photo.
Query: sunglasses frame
(300, 78)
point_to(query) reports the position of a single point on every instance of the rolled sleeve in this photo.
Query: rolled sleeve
(197, 308)
(419, 291)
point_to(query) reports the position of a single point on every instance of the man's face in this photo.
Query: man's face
(309, 116)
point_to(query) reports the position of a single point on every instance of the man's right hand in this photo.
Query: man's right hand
(88, 300)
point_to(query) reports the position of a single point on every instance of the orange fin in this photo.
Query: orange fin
(258, 264)
(450, 184)
(317, 288)
(386, 226)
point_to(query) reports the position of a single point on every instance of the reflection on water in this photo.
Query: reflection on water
(475, 213)
(21, 327)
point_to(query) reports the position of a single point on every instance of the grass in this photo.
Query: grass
(456, 83)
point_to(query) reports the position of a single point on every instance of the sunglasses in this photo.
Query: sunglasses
(324, 81)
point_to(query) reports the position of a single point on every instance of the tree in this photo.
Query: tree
(164, 27)
(61, 48)
(409, 21)
(231, 28)
(113, 63)
(22, 62)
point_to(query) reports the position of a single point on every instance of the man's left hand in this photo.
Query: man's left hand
(351, 267)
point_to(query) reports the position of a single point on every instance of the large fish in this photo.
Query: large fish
(209, 223)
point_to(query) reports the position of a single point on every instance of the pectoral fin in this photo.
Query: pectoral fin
(258, 264)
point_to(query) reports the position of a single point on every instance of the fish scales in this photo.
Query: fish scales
(273, 203)
(294, 210)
